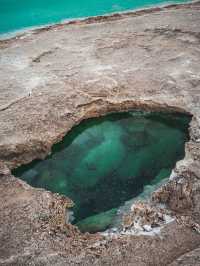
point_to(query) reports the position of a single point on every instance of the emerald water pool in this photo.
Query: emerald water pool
(19, 14)
(106, 161)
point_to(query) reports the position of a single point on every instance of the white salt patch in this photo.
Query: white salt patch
(14, 63)
(20, 63)
(137, 229)
(173, 175)
(147, 228)
(35, 82)
(168, 219)
(102, 67)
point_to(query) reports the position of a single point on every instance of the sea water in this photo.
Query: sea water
(18, 14)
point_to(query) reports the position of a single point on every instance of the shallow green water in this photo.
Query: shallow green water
(104, 162)
(18, 14)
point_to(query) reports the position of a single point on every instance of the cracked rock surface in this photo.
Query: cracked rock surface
(50, 80)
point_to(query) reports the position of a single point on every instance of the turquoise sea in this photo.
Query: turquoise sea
(18, 14)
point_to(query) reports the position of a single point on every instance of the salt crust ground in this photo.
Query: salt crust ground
(50, 80)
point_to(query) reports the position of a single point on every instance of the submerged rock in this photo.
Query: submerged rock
(164, 172)
(97, 223)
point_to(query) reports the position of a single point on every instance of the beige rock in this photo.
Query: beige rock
(50, 80)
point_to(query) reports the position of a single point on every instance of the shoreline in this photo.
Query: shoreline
(91, 19)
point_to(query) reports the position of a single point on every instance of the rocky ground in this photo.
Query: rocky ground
(50, 80)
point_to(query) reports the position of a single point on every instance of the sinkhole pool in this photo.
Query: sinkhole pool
(103, 162)
(18, 14)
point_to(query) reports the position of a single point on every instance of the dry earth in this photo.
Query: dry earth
(50, 80)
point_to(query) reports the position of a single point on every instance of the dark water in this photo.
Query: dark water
(103, 162)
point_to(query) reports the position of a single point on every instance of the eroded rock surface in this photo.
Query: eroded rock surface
(53, 78)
